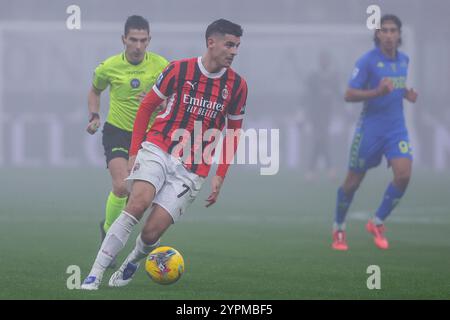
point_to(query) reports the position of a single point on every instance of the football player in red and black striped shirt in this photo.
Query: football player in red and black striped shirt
(169, 167)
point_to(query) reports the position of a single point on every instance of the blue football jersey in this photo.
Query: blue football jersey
(385, 112)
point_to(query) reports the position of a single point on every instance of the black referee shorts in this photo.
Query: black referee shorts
(116, 142)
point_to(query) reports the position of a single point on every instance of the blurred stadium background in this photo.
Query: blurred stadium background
(54, 183)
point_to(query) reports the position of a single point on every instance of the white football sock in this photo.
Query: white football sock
(115, 240)
(339, 227)
(377, 221)
(141, 250)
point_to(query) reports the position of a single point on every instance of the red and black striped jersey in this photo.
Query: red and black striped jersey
(195, 97)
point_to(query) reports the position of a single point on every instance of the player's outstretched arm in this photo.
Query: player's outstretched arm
(216, 184)
(411, 95)
(357, 95)
(94, 108)
(229, 147)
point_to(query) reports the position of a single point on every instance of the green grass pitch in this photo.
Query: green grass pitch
(268, 237)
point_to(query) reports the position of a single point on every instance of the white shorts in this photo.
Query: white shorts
(176, 187)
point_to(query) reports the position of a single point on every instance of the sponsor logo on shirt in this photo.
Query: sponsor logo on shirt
(399, 82)
(192, 84)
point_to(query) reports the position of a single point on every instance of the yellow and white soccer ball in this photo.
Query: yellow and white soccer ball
(164, 265)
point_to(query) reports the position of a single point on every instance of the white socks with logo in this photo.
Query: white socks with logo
(115, 240)
(141, 250)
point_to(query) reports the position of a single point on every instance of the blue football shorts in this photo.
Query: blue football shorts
(368, 148)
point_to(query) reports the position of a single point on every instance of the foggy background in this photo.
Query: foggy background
(46, 72)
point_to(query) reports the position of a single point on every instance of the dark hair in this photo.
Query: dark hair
(136, 22)
(393, 18)
(223, 27)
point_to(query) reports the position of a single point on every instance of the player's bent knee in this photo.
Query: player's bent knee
(141, 196)
(137, 208)
(137, 205)
(402, 180)
(120, 189)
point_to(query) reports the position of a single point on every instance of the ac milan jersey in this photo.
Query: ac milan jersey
(196, 98)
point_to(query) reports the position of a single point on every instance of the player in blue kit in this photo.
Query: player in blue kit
(379, 81)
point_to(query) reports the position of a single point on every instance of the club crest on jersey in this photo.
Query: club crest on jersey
(225, 93)
(135, 83)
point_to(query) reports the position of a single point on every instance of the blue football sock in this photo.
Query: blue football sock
(391, 198)
(342, 204)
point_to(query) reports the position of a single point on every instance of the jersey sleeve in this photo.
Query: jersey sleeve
(360, 74)
(100, 80)
(236, 110)
(229, 146)
(407, 59)
(145, 111)
(166, 82)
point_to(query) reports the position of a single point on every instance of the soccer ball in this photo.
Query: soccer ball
(164, 265)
